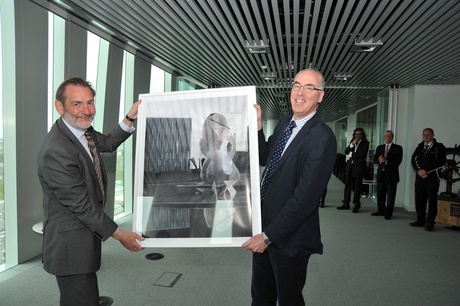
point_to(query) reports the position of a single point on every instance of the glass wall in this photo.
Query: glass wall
(8, 170)
(96, 73)
(185, 85)
(341, 134)
(56, 62)
(383, 103)
(2, 195)
(125, 153)
(96, 68)
(367, 119)
(157, 80)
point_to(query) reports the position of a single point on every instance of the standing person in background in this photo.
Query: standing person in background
(355, 169)
(74, 184)
(427, 160)
(388, 157)
(300, 157)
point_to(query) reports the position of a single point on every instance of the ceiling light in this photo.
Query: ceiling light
(268, 76)
(342, 76)
(366, 46)
(257, 48)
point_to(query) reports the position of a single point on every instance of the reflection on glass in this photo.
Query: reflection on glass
(367, 119)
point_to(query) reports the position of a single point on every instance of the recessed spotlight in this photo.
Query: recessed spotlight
(366, 46)
(257, 48)
(342, 76)
(268, 76)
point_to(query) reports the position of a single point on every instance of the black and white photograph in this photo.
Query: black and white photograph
(196, 181)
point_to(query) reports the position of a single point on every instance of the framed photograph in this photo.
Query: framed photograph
(197, 169)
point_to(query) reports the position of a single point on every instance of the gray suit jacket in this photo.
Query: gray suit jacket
(74, 222)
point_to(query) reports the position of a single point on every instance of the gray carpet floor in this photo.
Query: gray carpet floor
(367, 260)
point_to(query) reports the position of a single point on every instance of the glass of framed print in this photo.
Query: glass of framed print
(197, 169)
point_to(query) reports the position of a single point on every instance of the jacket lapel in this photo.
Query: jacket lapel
(78, 146)
(304, 131)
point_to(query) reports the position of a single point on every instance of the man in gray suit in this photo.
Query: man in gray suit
(74, 185)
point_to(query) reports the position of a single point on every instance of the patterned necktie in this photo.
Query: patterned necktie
(96, 160)
(276, 158)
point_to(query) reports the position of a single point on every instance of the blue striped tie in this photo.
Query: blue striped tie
(96, 160)
(276, 158)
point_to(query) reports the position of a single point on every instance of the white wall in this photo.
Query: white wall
(419, 107)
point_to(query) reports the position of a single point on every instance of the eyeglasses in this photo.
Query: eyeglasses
(306, 88)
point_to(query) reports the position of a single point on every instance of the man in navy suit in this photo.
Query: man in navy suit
(388, 157)
(74, 194)
(290, 196)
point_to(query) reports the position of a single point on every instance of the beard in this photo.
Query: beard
(79, 122)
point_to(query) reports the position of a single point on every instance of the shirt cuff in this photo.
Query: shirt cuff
(126, 128)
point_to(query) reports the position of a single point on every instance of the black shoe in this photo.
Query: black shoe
(429, 228)
(416, 224)
(343, 207)
(321, 204)
(356, 207)
(387, 217)
(377, 213)
(105, 300)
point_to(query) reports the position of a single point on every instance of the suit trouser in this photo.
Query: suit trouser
(277, 277)
(426, 190)
(386, 191)
(355, 184)
(78, 290)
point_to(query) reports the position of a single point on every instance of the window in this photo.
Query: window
(2, 195)
(96, 69)
(185, 85)
(157, 80)
(124, 166)
(8, 199)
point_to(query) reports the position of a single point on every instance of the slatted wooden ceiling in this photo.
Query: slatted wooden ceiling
(205, 41)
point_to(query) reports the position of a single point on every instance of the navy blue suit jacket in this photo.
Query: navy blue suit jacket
(356, 165)
(290, 215)
(394, 158)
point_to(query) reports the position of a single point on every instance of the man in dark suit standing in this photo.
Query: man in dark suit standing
(300, 157)
(74, 184)
(355, 169)
(427, 160)
(388, 157)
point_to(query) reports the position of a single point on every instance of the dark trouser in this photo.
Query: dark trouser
(386, 191)
(323, 198)
(277, 277)
(77, 290)
(426, 190)
(352, 183)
